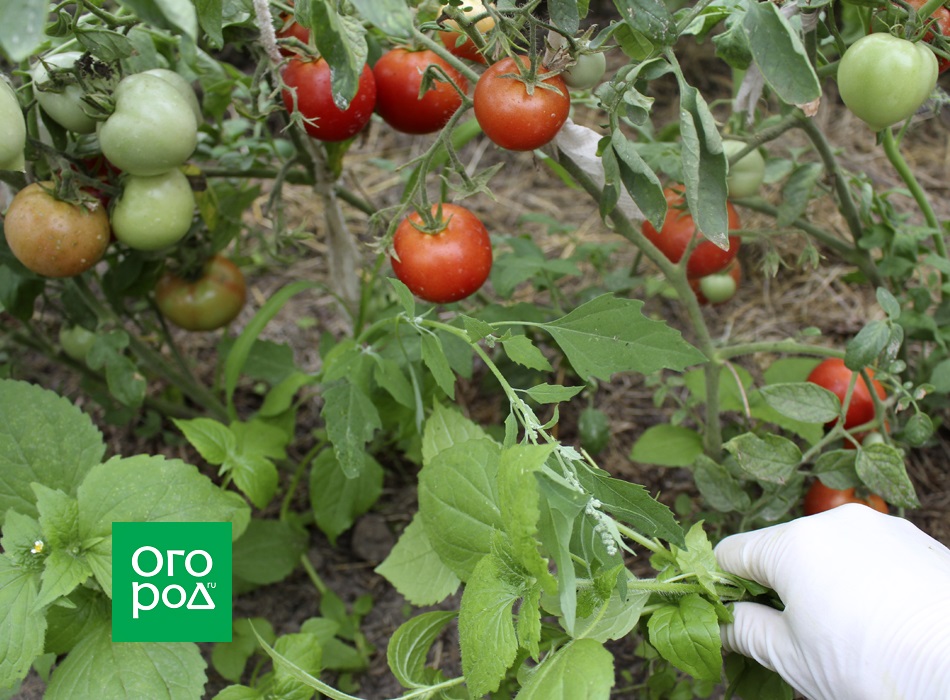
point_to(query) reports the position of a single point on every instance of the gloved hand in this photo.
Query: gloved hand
(867, 605)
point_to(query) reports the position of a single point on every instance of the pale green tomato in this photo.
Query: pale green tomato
(12, 129)
(153, 211)
(746, 175)
(184, 89)
(65, 107)
(76, 341)
(152, 129)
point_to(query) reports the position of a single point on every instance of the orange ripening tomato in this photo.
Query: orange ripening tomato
(835, 377)
(820, 498)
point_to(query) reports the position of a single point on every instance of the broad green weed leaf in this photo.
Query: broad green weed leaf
(560, 504)
(881, 468)
(686, 633)
(240, 692)
(351, 420)
(521, 350)
(696, 558)
(779, 53)
(580, 670)
(553, 393)
(21, 629)
(415, 570)
(608, 335)
(173, 14)
(148, 489)
(802, 401)
(434, 357)
(668, 446)
(98, 668)
(617, 617)
(62, 572)
(446, 427)
(304, 651)
(59, 516)
(268, 551)
(409, 646)
(230, 658)
(458, 502)
(281, 396)
(529, 622)
(66, 627)
(213, 440)
(771, 458)
(44, 439)
(336, 500)
(486, 627)
(632, 504)
(649, 18)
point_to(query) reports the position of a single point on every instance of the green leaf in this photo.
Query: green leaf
(21, 31)
(632, 504)
(608, 335)
(409, 646)
(230, 658)
(68, 626)
(864, 348)
(406, 299)
(719, 488)
(780, 55)
(268, 551)
(802, 401)
(21, 629)
(704, 166)
(62, 572)
(447, 427)
(173, 14)
(518, 500)
(434, 357)
(211, 20)
(341, 40)
(148, 489)
(686, 633)
(213, 440)
(389, 16)
(696, 558)
(351, 420)
(565, 15)
(650, 19)
(44, 439)
(336, 500)
(594, 427)
(486, 627)
(639, 180)
(126, 384)
(521, 350)
(239, 692)
(303, 651)
(553, 393)
(458, 503)
(415, 570)
(97, 668)
(58, 516)
(251, 465)
(580, 670)
(881, 468)
(668, 446)
(797, 192)
(772, 458)
(391, 376)
(528, 629)
(616, 618)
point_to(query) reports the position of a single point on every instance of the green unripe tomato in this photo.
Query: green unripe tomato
(746, 175)
(884, 79)
(76, 341)
(63, 106)
(184, 89)
(152, 129)
(153, 212)
(12, 129)
(718, 288)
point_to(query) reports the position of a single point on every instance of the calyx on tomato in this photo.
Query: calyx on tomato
(679, 230)
(820, 498)
(884, 79)
(61, 99)
(939, 21)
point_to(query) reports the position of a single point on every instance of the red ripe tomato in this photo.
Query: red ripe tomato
(835, 377)
(210, 301)
(717, 288)
(679, 229)
(309, 79)
(458, 43)
(292, 30)
(513, 118)
(446, 265)
(398, 75)
(820, 498)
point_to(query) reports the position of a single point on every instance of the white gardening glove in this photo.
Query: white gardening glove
(867, 605)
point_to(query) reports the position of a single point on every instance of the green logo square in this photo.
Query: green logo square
(171, 582)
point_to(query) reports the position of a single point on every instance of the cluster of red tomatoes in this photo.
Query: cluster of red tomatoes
(142, 144)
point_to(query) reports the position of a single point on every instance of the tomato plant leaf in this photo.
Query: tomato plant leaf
(608, 335)
(415, 570)
(667, 446)
(686, 633)
(719, 487)
(486, 626)
(148, 489)
(771, 458)
(804, 401)
(433, 355)
(580, 670)
(594, 427)
(171, 14)
(45, 439)
(405, 297)
(390, 16)
(650, 19)
(639, 180)
(704, 166)
(797, 191)
(780, 55)
(21, 31)
(521, 350)
(864, 348)
(336, 500)
(351, 420)
(408, 648)
(565, 15)
(750, 679)
(881, 468)
(211, 20)
(21, 629)
(458, 502)
(97, 667)
(339, 39)
(632, 504)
